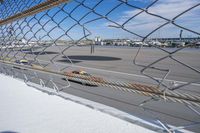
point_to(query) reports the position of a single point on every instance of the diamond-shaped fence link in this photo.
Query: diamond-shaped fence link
(60, 38)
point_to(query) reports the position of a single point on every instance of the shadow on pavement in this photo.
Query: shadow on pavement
(8, 132)
(92, 58)
(67, 61)
(42, 53)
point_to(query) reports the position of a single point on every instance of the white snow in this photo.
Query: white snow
(27, 110)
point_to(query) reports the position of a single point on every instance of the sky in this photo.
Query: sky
(109, 24)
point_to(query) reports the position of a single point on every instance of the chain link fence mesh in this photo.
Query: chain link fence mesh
(63, 37)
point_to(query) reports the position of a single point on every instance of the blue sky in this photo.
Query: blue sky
(142, 25)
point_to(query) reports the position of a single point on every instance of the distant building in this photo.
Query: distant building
(139, 43)
(86, 42)
(117, 42)
(121, 42)
(197, 45)
(98, 41)
(158, 43)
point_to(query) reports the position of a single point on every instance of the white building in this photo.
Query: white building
(98, 41)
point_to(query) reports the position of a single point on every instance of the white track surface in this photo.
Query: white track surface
(25, 109)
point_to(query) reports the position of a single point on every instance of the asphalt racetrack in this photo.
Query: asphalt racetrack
(116, 63)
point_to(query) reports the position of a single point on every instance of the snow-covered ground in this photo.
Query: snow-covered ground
(25, 109)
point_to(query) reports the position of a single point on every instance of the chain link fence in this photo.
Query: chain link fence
(150, 48)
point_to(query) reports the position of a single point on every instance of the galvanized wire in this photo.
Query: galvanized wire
(28, 25)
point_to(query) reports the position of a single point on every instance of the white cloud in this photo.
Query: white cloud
(171, 8)
(145, 23)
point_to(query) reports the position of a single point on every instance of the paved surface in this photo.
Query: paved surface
(119, 60)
